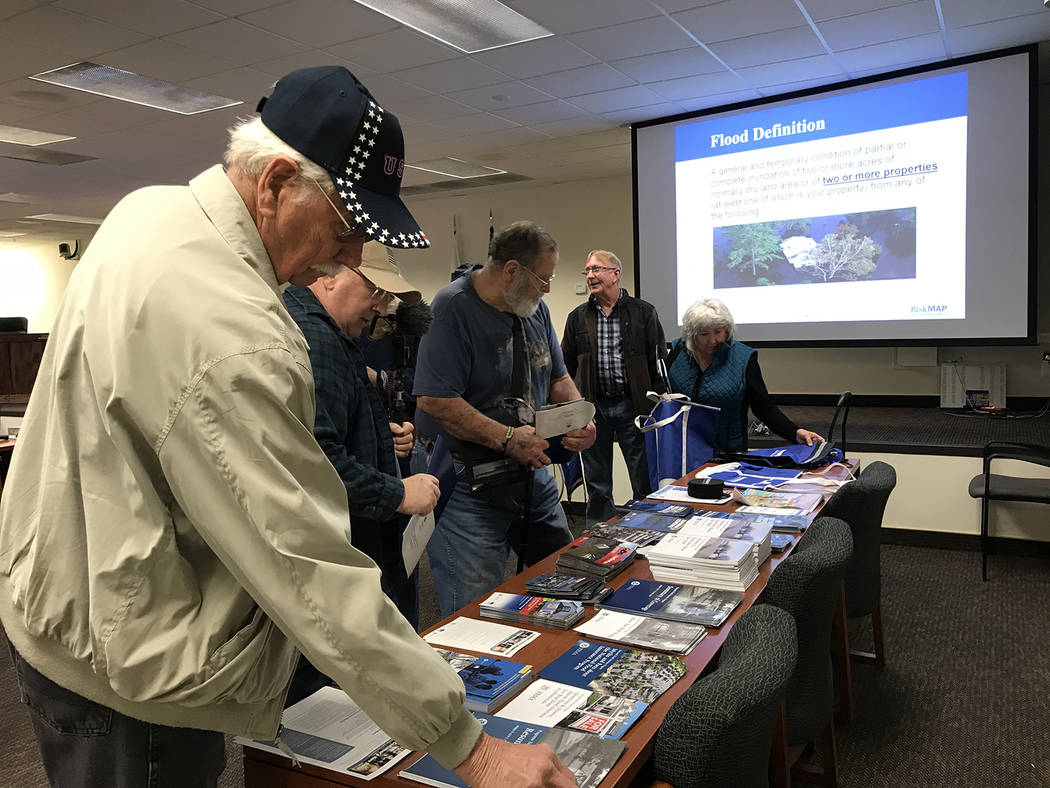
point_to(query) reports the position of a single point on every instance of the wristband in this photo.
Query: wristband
(506, 439)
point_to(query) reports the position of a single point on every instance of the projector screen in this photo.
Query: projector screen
(895, 210)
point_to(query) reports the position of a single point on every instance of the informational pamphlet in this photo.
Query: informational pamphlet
(485, 636)
(560, 705)
(675, 492)
(558, 419)
(327, 729)
(674, 637)
(614, 670)
(414, 539)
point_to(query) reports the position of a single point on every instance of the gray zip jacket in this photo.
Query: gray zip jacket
(170, 531)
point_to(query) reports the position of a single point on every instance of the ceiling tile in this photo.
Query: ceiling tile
(638, 114)
(758, 50)
(495, 140)
(13, 7)
(20, 60)
(961, 13)
(321, 23)
(541, 113)
(71, 122)
(393, 51)
(43, 97)
(429, 109)
(208, 127)
(792, 71)
(532, 58)
(718, 100)
(245, 84)
(892, 54)
(423, 133)
(280, 66)
(668, 65)
(1003, 33)
(573, 126)
(599, 139)
(829, 9)
(875, 27)
(165, 60)
(739, 18)
(449, 75)
(673, 6)
(504, 95)
(152, 18)
(123, 115)
(76, 36)
(561, 16)
(621, 98)
(475, 124)
(577, 81)
(388, 90)
(236, 7)
(13, 114)
(643, 37)
(239, 43)
(701, 85)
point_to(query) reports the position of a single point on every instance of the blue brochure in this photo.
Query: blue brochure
(658, 507)
(616, 671)
(708, 607)
(654, 522)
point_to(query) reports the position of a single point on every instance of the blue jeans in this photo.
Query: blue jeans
(83, 743)
(472, 539)
(613, 421)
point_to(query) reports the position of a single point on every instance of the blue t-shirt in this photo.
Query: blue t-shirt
(468, 351)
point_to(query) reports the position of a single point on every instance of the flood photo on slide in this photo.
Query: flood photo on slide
(847, 247)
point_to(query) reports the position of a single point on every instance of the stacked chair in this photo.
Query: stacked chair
(808, 585)
(719, 733)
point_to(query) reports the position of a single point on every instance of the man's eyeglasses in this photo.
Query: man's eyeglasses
(544, 281)
(353, 231)
(593, 269)
(378, 295)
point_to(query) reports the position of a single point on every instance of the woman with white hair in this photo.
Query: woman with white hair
(710, 367)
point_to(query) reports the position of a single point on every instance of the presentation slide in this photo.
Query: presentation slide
(855, 201)
(893, 210)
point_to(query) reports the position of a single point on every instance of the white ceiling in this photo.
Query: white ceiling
(553, 109)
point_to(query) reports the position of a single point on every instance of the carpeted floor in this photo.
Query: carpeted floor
(962, 702)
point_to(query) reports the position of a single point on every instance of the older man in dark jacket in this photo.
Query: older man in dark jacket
(612, 344)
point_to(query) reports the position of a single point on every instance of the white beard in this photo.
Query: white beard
(327, 269)
(518, 298)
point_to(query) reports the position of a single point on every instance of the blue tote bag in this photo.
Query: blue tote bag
(679, 436)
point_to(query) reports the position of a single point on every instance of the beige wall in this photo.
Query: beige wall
(32, 280)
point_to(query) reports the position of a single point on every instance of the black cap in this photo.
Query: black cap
(327, 115)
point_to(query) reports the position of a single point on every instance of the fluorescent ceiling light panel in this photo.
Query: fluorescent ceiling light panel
(63, 217)
(455, 168)
(468, 25)
(135, 88)
(7, 234)
(15, 197)
(30, 136)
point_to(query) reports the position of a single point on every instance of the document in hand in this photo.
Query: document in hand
(327, 729)
(558, 419)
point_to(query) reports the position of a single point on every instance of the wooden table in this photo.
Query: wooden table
(263, 770)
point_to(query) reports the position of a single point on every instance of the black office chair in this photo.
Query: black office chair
(720, 731)
(807, 584)
(861, 504)
(15, 324)
(991, 487)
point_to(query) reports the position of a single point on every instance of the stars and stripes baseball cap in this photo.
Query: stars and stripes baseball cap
(327, 115)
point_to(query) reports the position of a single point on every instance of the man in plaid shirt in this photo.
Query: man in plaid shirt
(611, 346)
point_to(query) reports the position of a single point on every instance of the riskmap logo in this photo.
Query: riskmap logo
(928, 309)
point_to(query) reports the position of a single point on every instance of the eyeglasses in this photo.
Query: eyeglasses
(378, 295)
(352, 232)
(593, 269)
(544, 281)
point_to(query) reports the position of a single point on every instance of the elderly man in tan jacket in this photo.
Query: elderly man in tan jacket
(171, 535)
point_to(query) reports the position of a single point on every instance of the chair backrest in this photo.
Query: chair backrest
(806, 584)
(720, 731)
(18, 324)
(861, 504)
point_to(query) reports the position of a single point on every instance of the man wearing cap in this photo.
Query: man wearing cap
(614, 346)
(468, 366)
(351, 423)
(171, 534)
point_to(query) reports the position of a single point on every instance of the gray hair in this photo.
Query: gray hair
(608, 258)
(252, 147)
(705, 315)
(523, 241)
